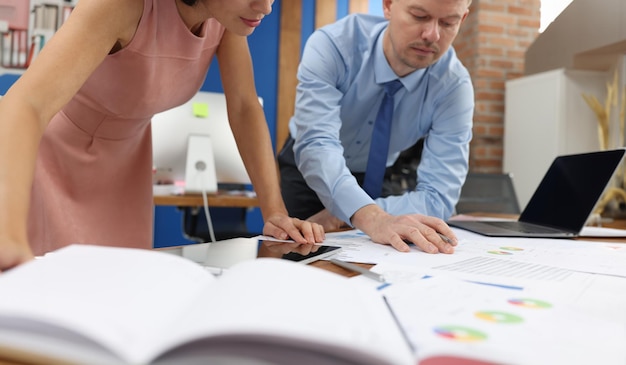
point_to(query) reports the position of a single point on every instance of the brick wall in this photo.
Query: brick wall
(491, 44)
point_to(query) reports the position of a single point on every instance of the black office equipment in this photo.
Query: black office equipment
(563, 200)
(488, 193)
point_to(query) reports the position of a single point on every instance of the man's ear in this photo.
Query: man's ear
(387, 8)
(465, 15)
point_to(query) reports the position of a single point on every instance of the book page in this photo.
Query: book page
(551, 323)
(116, 301)
(286, 305)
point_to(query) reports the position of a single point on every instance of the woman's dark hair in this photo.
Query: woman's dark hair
(190, 2)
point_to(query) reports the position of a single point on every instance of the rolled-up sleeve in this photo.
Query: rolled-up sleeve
(316, 126)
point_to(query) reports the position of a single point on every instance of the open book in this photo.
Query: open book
(104, 305)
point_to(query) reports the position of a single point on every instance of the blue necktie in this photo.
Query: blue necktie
(377, 160)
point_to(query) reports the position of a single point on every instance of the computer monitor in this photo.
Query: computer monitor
(204, 114)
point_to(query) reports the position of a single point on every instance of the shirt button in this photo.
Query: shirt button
(370, 122)
(358, 142)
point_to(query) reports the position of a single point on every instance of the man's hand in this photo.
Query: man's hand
(423, 231)
(283, 227)
(327, 220)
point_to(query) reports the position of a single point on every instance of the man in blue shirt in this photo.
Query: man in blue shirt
(341, 77)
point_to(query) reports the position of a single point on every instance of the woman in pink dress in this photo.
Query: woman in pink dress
(75, 137)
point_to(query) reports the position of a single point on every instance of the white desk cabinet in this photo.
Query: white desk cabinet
(546, 116)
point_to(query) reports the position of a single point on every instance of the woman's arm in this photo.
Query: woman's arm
(249, 127)
(94, 29)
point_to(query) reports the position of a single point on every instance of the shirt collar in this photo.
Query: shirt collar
(383, 72)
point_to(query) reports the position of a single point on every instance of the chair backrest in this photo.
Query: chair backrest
(488, 193)
(227, 222)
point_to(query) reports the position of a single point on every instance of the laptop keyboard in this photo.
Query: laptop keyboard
(524, 227)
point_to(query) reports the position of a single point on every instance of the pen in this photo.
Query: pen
(445, 239)
(359, 269)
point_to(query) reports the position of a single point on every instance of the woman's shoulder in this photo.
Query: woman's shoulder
(132, 8)
(120, 14)
(101, 23)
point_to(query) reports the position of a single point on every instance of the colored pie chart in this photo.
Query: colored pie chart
(530, 303)
(499, 317)
(459, 333)
(499, 252)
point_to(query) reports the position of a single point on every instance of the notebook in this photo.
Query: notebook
(562, 202)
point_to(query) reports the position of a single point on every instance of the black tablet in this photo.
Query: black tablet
(292, 251)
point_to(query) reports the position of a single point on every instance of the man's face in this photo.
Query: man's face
(420, 31)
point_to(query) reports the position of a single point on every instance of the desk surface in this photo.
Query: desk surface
(220, 199)
(327, 265)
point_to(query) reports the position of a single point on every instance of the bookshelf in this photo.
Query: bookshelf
(15, 13)
(26, 25)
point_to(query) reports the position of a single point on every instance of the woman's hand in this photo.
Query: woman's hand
(283, 227)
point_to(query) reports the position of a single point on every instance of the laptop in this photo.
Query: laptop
(562, 202)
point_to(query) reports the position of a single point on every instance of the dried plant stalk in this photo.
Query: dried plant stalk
(603, 120)
(622, 124)
(622, 117)
(603, 115)
(612, 194)
(603, 112)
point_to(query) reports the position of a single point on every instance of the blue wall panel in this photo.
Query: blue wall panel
(343, 8)
(168, 227)
(264, 47)
(6, 81)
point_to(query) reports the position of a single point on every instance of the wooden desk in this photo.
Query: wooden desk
(191, 205)
(329, 266)
(221, 199)
(616, 223)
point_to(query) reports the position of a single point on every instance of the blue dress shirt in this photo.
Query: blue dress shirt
(338, 95)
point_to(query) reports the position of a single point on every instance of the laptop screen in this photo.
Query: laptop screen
(570, 189)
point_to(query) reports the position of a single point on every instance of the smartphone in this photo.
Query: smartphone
(300, 253)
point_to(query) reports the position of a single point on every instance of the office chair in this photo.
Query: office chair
(488, 193)
(227, 223)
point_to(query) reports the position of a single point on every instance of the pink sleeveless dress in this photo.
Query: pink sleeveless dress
(93, 178)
